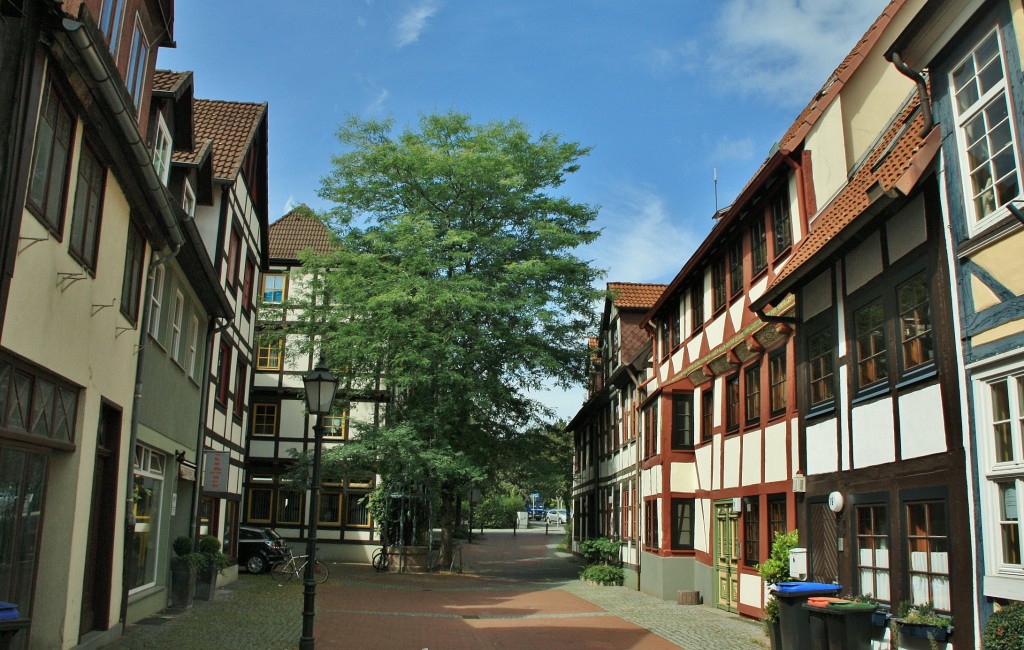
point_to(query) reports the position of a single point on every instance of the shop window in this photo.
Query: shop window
(23, 486)
(146, 498)
(260, 499)
(330, 508)
(290, 506)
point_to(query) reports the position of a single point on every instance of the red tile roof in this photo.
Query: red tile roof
(231, 126)
(297, 231)
(168, 81)
(630, 295)
(892, 156)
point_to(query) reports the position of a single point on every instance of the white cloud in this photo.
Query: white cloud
(413, 22)
(640, 241)
(681, 57)
(783, 50)
(290, 204)
(729, 150)
(377, 105)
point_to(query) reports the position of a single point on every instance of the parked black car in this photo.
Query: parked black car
(259, 548)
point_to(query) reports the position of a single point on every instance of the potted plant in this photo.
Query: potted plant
(184, 566)
(213, 562)
(773, 571)
(921, 621)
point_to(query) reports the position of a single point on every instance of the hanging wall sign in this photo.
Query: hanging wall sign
(215, 470)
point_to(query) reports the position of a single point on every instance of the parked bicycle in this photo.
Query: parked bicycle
(380, 560)
(295, 567)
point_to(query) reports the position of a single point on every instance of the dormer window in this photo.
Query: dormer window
(162, 153)
(188, 199)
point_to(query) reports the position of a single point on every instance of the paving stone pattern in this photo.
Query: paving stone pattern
(516, 592)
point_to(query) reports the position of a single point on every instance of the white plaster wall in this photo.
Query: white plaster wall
(816, 297)
(864, 262)
(650, 481)
(758, 288)
(702, 525)
(776, 467)
(922, 430)
(822, 447)
(872, 433)
(731, 469)
(683, 477)
(693, 346)
(715, 331)
(906, 229)
(261, 447)
(826, 141)
(716, 469)
(736, 311)
(751, 471)
(750, 589)
(703, 466)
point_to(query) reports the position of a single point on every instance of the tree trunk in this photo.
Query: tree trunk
(447, 525)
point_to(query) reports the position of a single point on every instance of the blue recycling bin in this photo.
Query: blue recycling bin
(795, 620)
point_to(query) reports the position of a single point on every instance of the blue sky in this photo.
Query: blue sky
(663, 91)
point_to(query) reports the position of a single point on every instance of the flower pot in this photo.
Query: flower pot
(774, 634)
(183, 585)
(938, 633)
(206, 583)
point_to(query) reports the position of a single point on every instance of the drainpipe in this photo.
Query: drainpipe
(204, 403)
(133, 436)
(922, 90)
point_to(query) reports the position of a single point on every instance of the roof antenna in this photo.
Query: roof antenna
(716, 189)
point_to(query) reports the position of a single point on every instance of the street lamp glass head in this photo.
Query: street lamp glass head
(321, 387)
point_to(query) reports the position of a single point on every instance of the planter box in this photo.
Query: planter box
(206, 583)
(936, 632)
(183, 586)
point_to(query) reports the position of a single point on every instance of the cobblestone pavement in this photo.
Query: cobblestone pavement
(516, 592)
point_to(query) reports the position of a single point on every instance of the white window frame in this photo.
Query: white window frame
(193, 344)
(284, 288)
(154, 302)
(1001, 579)
(162, 145)
(188, 199)
(976, 225)
(176, 322)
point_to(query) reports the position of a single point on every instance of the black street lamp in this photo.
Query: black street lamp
(321, 387)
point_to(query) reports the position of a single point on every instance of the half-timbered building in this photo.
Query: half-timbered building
(606, 429)
(279, 424)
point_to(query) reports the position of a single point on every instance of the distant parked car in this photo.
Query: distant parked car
(557, 516)
(259, 548)
(537, 512)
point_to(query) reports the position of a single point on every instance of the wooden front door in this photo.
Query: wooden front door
(727, 553)
(96, 583)
(824, 548)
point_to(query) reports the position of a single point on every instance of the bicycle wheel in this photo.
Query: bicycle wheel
(320, 572)
(283, 571)
(380, 560)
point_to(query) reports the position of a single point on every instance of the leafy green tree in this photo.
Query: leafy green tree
(457, 282)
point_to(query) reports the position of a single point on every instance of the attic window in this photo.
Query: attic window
(162, 151)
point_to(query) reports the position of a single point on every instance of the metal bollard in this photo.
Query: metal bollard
(546, 523)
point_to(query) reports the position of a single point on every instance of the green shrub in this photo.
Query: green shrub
(602, 574)
(209, 548)
(182, 545)
(1005, 628)
(600, 550)
(497, 511)
(776, 568)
